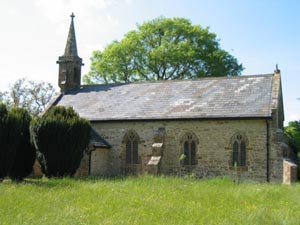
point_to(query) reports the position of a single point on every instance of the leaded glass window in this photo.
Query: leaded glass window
(189, 149)
(239, 151)
(132, 148)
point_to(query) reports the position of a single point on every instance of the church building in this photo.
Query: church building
(216, 126)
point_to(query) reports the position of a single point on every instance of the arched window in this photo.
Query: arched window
(189, 142)
(239, 150)
(131, 140)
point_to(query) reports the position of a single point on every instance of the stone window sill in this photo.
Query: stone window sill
(239, 168)
(190, 166)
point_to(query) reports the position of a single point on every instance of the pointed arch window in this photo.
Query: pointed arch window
(239, 150)
(189, 142)
(131, 140)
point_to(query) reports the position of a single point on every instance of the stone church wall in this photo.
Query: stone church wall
(213, 152)
(100, 162)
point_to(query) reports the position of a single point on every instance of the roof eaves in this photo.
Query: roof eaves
(182, 118)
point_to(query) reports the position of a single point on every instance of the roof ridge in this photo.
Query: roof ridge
(180, 80)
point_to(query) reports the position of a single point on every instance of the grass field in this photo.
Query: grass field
(147, 200)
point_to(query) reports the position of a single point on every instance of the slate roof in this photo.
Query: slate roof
(226, 97)
(98, 141)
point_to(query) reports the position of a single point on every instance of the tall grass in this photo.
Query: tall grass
(147, 200)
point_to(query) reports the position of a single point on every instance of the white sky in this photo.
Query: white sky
(258, 33)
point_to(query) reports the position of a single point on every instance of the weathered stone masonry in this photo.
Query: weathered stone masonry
(214, 150)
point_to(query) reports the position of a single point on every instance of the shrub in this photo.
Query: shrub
(10, 135)
(61, 137)
(25, 152)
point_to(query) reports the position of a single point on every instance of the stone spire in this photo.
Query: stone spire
(70, 63)
(71, 46)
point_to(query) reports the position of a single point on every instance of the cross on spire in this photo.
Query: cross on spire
(277, 70)
(72, 16)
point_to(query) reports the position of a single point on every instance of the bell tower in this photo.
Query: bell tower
(70, 63)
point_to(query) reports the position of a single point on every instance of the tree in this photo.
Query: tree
(10, 135)
(162, 49)
(30, 95)
(2, 96)
(292, 131)
(60, 136)
(25, 152)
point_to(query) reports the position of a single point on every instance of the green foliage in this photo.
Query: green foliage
(10, 136)
(3, 111)
(182, 157)
(17, 155)
(292, 131)
(61, 136)
(162, 49)
(148, 200)
(25, 152)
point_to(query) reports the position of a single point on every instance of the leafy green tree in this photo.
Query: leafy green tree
(25, 152)
(60, 136)
(10, 135)
(292, 131)
(162, 49)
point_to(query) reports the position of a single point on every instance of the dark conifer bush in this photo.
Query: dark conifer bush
(10, 135)
(60, 137)
(25, 152)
